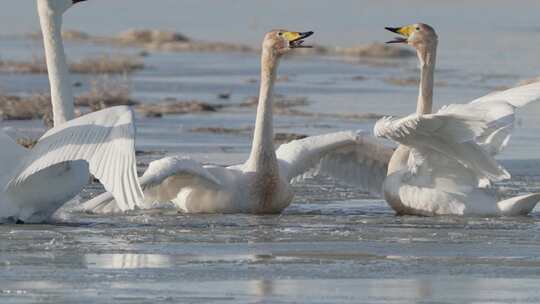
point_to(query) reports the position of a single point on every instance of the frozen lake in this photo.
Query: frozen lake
(333, 244)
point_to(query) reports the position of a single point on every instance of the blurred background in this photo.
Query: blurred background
(344, 22)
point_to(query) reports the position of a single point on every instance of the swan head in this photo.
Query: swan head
(56, 6)
(418, 35)
(281, 41)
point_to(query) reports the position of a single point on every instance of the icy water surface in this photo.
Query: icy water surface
(333, 245)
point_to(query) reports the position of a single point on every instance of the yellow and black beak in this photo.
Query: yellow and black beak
(404, 31)
(296, 39)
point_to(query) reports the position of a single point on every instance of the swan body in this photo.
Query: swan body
(444, 164)
(445, 168)
(262, 184)
(421, 197)
(354, 157)
(35, 183)
(238, 189)
(223, 190)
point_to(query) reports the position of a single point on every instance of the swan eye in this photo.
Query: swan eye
(417, 28)
(280, 34)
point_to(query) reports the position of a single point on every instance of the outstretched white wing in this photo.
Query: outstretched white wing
(448, 134)
(104, 139)
(10, 155)
(517, 97)
(166, 177)
(498, 110)
(354, 157)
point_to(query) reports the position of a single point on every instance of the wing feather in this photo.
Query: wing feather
(448, 134)
(104, 139)
(517, 97)
(164, 168)
(155, 176)
(354, 157)
(498, 109)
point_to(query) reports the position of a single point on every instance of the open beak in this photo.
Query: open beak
(296, 39)
(403, 31)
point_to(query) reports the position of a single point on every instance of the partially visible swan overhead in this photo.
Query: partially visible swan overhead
(262, 183)
(445, 163)
(35, 183)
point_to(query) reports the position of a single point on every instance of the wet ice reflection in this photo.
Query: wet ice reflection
(127, 261)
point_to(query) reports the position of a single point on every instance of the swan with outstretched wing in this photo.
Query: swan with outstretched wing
(445, 162)
(262, 183)
(35, 183)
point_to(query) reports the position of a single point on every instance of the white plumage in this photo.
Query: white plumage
(445, 165)
(498, 109)
(450, 135)
(353, 157)
(262, 183)
(36, 182)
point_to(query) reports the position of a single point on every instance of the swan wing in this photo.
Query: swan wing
(159, 170)
(448, 134)
(498, 110)
(453, 128)
(10, 155)
(104, 139)
(11, 151)
(499, 116)
(517, 97)
(354, 157)
(182, 171)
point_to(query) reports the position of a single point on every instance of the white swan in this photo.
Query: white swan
(35, 183)
(444, 165)
(262, 183)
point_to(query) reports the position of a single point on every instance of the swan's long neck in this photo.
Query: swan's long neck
(263, 155)
(427, 55)
(61, 93)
